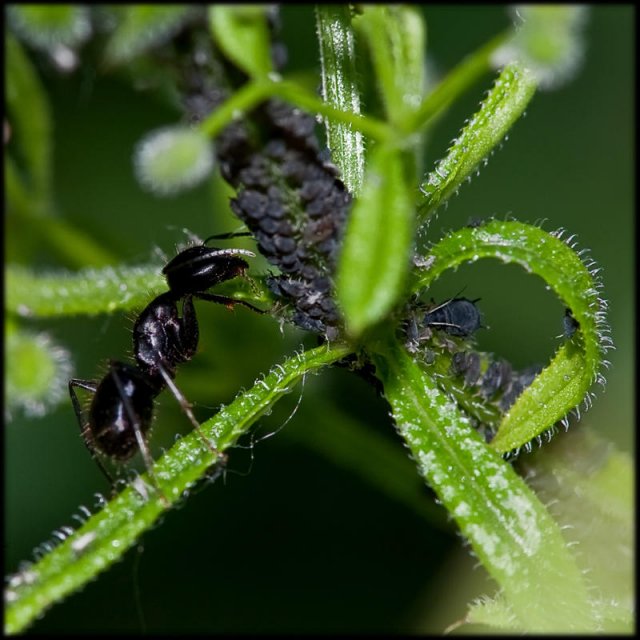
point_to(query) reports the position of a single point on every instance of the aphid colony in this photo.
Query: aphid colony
(485, 385)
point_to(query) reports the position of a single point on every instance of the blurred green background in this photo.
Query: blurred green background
(291, 540)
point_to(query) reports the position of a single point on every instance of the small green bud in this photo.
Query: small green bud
(171, 159)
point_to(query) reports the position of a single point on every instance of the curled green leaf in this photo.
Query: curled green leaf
(576, 365)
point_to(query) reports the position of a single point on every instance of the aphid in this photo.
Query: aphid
(466, 363)
(496, 377)
(569, 323)
(499, 385)
(121, 410)
(473, 222)
(457, 317)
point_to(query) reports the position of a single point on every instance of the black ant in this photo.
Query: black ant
(121, 410)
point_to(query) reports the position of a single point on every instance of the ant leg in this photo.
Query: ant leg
(186, 407)
(140, 439)
(84, 431)
(226, 301)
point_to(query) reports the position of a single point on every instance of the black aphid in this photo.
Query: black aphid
(569, 323)
(458, 317)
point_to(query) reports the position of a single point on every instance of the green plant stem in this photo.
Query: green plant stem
(574, 368)
(257, 91)
(340, 90)
(454, 84)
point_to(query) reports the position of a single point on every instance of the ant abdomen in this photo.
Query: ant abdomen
(122, 403)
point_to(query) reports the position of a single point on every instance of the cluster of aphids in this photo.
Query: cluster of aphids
(164, 336)
(287, 191)
(486, 386)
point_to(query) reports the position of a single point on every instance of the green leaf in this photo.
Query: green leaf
(142, 27)
(340, 89)
(396, 38)
(575, 366)
(31, 126)
(509, 529)
(93, 291)
(110, 532)
(242, 32)
(504, 104)
(454, 84)
(377, 244)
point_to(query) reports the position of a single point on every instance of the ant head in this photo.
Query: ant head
(196, 269)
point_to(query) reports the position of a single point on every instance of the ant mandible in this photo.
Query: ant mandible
(121, 410)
